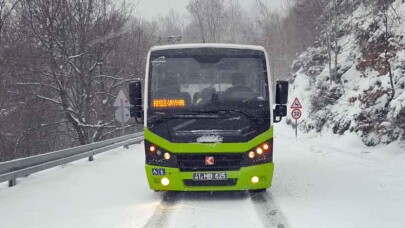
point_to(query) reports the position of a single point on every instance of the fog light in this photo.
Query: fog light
(165, 181)
(259, 151)
(254, 180)
(166, 156)
(252, 154)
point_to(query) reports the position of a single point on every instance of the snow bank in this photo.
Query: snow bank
(360, 100)
(336, 181)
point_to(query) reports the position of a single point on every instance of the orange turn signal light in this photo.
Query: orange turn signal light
(265, 146)
(152, 149)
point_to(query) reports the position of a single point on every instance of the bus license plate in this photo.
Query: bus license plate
(209, 176)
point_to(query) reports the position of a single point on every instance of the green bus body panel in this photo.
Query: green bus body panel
(207, 147)
(244, 176)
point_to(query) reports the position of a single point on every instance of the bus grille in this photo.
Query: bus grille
(196, 162)
(192, 183)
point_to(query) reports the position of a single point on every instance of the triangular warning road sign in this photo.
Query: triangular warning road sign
(121, 96)
(296, 103)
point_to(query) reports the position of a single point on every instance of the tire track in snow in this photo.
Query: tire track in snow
(267, 210)
(164, 210)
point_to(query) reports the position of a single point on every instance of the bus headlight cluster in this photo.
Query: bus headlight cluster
(260, 150)
(154, 150)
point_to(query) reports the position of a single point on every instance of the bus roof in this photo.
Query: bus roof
(207, 45)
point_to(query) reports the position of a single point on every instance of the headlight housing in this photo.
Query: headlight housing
(158, 156)
(261, 154)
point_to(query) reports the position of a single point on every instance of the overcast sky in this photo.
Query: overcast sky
(151, 9)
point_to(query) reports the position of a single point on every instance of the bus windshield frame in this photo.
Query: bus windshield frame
(234, 81)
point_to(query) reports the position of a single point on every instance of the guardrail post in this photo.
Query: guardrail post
(12, 182)
(91, 158)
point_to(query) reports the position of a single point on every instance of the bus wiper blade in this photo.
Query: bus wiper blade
(161, 116)
(165, 116)
(251, 116)
(216, 111)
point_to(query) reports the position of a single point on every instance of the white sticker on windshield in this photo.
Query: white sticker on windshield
(158, 61)
(210, 139)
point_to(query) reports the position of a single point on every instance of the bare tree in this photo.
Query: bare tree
(233, 20)
(391, 20)
(171, 24)
(209, 15)
(76, 40)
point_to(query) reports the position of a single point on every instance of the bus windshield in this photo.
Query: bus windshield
(207, 83)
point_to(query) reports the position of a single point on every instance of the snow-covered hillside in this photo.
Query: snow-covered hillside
(359, 97)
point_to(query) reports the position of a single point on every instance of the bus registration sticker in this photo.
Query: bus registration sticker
(209, 176)
(158, 172)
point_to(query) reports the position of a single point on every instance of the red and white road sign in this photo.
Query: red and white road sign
(296, 113)
(296, 104)
(209, 160)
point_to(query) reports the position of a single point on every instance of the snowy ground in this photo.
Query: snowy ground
(327, 181)
(335, 181)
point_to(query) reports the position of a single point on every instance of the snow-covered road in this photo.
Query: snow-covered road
(326, 181)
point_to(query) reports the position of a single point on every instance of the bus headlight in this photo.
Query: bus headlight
(252, 154)
(166, 156)
(261, 154)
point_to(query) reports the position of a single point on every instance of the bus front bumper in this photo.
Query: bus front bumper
(183, 181)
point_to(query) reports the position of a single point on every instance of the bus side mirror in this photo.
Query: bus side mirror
(281, 100)
(135, 99)
(281, 92)
(279, 112)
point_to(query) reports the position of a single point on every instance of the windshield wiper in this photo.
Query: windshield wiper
(188, 115)
(225, 111)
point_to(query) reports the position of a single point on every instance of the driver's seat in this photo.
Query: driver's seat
(239, 91)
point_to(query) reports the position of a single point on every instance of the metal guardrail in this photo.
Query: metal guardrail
(11, 170)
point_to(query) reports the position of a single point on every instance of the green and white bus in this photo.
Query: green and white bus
(208, 117)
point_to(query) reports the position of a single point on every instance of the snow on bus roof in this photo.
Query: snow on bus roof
(207, 45)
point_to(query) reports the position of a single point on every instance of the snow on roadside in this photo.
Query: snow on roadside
(110, 192)
(335, 181)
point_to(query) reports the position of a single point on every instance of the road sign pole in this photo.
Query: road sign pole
(122, 117)
(296, 128)
(123, 123)
(122, 114)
